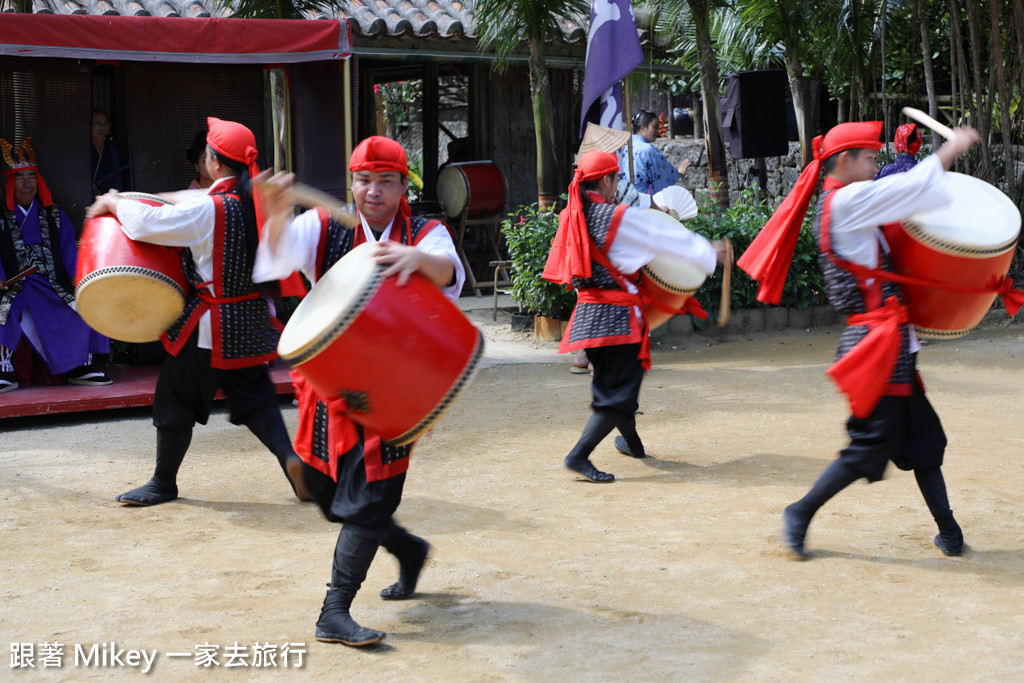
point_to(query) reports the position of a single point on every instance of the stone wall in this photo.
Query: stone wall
(782, 172)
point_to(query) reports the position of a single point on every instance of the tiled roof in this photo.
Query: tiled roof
(130, 8)
(391, 18)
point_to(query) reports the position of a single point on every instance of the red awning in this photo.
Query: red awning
(175, 39)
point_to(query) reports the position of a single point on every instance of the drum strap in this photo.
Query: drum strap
(863, 373)
(1013, 298)
(691, 305)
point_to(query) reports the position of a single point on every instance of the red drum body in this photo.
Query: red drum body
(399, 356)
(477, 187)
(968, 243)
(669, 280)
(127, 290)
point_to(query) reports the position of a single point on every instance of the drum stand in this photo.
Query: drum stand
(465, 221)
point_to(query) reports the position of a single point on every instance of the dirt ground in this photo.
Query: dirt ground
(673, 572)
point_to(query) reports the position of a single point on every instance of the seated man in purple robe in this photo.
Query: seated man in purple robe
(39, 310)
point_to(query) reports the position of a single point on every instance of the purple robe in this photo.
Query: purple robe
(64, 336)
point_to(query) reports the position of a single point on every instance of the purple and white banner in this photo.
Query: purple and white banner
(613, 50)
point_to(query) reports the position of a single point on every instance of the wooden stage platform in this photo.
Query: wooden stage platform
(133, 387)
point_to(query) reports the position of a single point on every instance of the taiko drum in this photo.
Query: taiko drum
(398, 355)
(477, 187)
(127, 290)
(668, 279)
(967, 243)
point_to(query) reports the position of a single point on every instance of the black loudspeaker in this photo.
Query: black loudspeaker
(754, 114)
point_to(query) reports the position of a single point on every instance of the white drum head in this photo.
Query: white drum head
(452, 189)
(332, 303)
(979, 217)
(678, 200)
(671, 273)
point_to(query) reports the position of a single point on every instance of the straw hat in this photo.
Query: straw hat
(602, 139)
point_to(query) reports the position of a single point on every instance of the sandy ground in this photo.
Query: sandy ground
(673, 572)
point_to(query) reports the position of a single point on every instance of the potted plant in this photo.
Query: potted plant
(529, 233)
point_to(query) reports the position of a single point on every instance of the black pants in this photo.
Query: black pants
(618, 375)
(901, 429)
(187, 385)
(353, 499)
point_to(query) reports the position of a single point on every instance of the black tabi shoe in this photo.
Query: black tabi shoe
(151, 493)
(622, 447)
(336, 626)
(949, 549)
(408, 574)
(794, 530)
(586, 469)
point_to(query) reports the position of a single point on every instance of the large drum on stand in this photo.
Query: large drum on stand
(127, 290)
(477, 187)
(398, 356)
(968, 243)
(669, 280)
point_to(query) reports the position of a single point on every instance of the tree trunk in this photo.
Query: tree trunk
(803, 104)
(982, 100)
(718, 175)
(929, 71)
(547, 185)
(1004, 100)
(960, 77)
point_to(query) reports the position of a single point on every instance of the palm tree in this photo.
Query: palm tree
(505, 25)
(691, 22)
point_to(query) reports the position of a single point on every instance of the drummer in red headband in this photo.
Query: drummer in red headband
(226, 334)
(598, 250)
(355, 477)
(876, 360)
(907, 144)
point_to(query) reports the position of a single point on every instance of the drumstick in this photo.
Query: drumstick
(922, 118)
(22, 275)
(724, 306)
(310, 197)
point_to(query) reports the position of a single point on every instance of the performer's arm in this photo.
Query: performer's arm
(288, 245)
(639, 239)
(188, 224)
(431, 258)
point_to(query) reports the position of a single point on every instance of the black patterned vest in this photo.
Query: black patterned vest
(336, 240)
(849, 294)
(243, 333)
(17, 256)
(599, 320)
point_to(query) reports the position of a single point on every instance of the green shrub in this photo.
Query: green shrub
(529, 235)
(741, 222)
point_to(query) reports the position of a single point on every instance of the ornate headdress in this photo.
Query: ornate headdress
(22, 158)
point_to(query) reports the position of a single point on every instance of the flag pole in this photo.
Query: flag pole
(629, 125)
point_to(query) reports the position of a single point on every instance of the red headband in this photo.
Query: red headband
(768, 257)
(570, 250)
(379, 154)
(908, 140)
(234, 141)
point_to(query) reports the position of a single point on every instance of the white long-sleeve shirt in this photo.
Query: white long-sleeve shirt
(860, 209)
(298, 250)
(191, 223)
